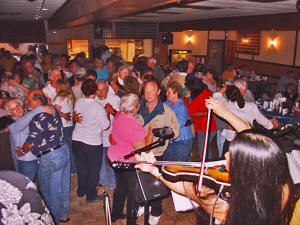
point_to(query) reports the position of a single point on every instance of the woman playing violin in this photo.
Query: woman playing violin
(259, 176)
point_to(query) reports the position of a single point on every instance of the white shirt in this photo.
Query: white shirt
(114, 100)
(68, 74)
(248, 113)
(66, 107)
(77, 91)
(94, 121)
(49, 91)
(111, 90)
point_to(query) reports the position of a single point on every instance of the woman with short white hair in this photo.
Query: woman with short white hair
(127, 135)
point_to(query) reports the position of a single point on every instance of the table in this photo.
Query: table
(288, 118)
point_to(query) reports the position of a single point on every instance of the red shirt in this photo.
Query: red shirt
(198, 104)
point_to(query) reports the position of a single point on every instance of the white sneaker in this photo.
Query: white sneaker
(153, 220)
(141, 211)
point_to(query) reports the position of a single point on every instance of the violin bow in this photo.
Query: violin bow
(204, 152)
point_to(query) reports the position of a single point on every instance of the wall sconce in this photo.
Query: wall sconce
(245, 40)
(189, 38)
(273, 43)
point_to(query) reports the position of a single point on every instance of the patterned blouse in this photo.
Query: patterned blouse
(45, 132)
(20, 202)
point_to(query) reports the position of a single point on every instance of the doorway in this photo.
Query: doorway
(77, 46)
(216, 55)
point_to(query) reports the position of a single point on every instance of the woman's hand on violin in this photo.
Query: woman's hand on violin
(148, 168)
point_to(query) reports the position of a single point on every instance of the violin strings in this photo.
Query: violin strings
(169, 163)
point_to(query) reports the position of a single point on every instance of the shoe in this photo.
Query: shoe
(141, 211)
(153, 220)
(98, 198)
(114, 219)
(64, 219)
(80, 194)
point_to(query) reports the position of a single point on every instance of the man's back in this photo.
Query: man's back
(45, 132)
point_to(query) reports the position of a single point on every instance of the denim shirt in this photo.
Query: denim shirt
(19, 131)
(182, 115)
(45, 132)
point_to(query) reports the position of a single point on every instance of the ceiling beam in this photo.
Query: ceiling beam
(80, 12)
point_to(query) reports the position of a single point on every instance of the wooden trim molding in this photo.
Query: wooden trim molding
(270, 63)
(295, 48)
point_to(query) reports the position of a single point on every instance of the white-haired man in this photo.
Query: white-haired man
(158, 73)
(27, 164)
(111, 102)
(242, 85)
(50, 88)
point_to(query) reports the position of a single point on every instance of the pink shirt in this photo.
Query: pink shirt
(125, 131)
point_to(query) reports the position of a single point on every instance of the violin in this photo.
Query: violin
(184, 171)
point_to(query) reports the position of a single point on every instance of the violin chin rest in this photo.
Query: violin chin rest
(222, 168)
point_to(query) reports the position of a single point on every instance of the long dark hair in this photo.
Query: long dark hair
(196, 86)
(234, 95)
(258, 171)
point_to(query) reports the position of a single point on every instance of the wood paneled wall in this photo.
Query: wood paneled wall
(24, 32)
(271, 69)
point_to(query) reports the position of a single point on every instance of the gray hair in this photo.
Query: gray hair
(12, 99)
(102, 81)
(41, 98)
(129, 102)
(123, 67)
(51, 72)
(153, 60)
(241, 84)
(130, 66)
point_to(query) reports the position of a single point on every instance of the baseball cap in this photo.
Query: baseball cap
(81, 72)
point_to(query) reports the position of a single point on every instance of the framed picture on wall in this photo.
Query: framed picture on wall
(248, 42)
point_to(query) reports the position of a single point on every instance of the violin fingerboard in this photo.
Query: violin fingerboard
(122, 165)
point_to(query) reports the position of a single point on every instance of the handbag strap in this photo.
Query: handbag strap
(297, 164)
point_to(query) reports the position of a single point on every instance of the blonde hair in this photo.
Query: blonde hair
(64, 90)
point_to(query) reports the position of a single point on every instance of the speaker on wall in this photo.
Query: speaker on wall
(167, 38)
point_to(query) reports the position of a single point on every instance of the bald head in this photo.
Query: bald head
(35, 98)
(102, 89)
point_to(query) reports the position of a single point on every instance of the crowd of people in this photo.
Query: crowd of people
(75, 117)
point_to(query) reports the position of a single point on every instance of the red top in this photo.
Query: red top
(198, 104)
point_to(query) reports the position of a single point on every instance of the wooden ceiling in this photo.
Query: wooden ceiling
(78, 12)
(170, 14)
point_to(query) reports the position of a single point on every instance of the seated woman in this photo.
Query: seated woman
(259, 191)
(127, 134)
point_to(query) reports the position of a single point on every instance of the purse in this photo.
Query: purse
(149, 188)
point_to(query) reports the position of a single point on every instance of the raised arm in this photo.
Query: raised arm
(23, 122)
(221, 110)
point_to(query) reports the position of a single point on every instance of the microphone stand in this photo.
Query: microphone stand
(160, 142)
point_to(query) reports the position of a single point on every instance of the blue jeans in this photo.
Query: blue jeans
(201, 136)
(88, 163)
(179, 150)
(107, 174)
(13, 154)
(54, 181)
(220, 142)
(28, 168)
(68, 131)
